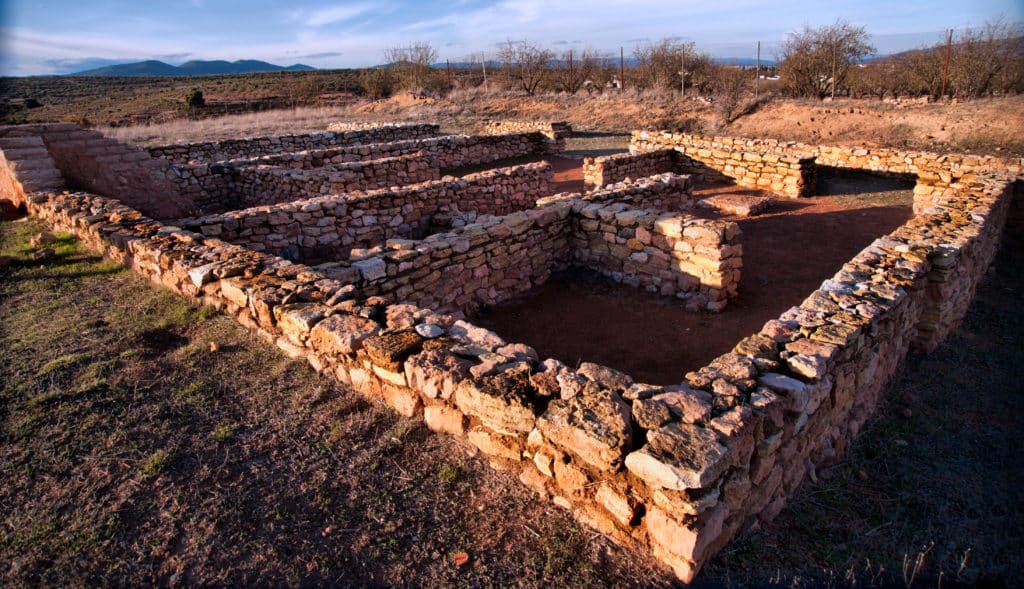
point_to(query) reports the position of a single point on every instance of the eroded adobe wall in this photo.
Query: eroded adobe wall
(218, 151)
(327, 228)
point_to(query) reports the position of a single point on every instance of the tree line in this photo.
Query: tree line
(831, 60)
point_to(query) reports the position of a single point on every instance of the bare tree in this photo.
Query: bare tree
(731, 90)
(816, 62)
(412, 65)
(983, 57)
(377, 82)
(527, 65)
(586, 64)
(661, 65)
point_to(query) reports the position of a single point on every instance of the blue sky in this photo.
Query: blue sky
(62, 36)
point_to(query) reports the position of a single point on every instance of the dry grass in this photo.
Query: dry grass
(132, 454)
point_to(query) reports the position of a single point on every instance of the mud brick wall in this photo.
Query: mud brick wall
(263, 185)
(554, 133)
(693, 259)
(217, 151)
(612, 169)
(327, 228)
(679, 469)
(748, 163)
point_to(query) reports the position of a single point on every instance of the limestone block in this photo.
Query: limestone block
(593, 425)
(679, 456)
(503, 402)
(342, 334)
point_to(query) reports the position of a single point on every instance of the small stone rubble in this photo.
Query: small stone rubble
(677, 469)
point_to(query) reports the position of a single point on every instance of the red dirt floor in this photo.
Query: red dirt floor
(580, 316)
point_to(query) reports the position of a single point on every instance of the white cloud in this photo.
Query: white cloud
(337, 14)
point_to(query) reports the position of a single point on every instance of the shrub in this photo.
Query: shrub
(194, 98)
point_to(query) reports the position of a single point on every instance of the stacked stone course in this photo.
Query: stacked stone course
(678, 469)
(788, 168)
(555, 133)
(266, 185)
(328, 227)
(612, 169)
(219, 151)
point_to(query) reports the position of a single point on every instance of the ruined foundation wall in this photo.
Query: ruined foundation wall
(679, 469)
(764, 163)
(693, 259)
(554, 133)
(448, 151)
(328, 227)
(748, 163)
(218, 151)
(661, 192)
(612, 169)
(267, 185)
(87, 160)
(483, 263)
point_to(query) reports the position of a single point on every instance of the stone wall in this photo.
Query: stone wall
(266, 185)
(329, 227)
(218, 151)
(678, 469)
(482, 263)
(554, 133)
(447, 151)
(788, 167)
(612, 169)
(660, 192)
(696, 260)
(747, 163)
(85, 159)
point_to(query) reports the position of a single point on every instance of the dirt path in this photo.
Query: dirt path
(579, 316)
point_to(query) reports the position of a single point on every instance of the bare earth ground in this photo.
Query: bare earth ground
(131, 453)
(580, 316)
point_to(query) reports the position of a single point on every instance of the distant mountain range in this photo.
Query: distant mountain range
(153, 67)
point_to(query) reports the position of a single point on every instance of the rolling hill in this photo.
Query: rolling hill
(153, 67)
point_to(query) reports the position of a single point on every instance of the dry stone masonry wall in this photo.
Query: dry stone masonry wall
(328, 227)
(218, 151)
(678, 469)
(555, 133)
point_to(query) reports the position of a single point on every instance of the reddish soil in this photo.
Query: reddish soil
(578, 315)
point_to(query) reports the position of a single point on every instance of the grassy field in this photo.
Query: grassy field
(145, 440)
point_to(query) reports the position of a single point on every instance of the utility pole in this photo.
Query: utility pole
(483, 64)
(945, 69)
(757, 72)
(682, 74)
(834, 44)
(622, 72)
(570, 74)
